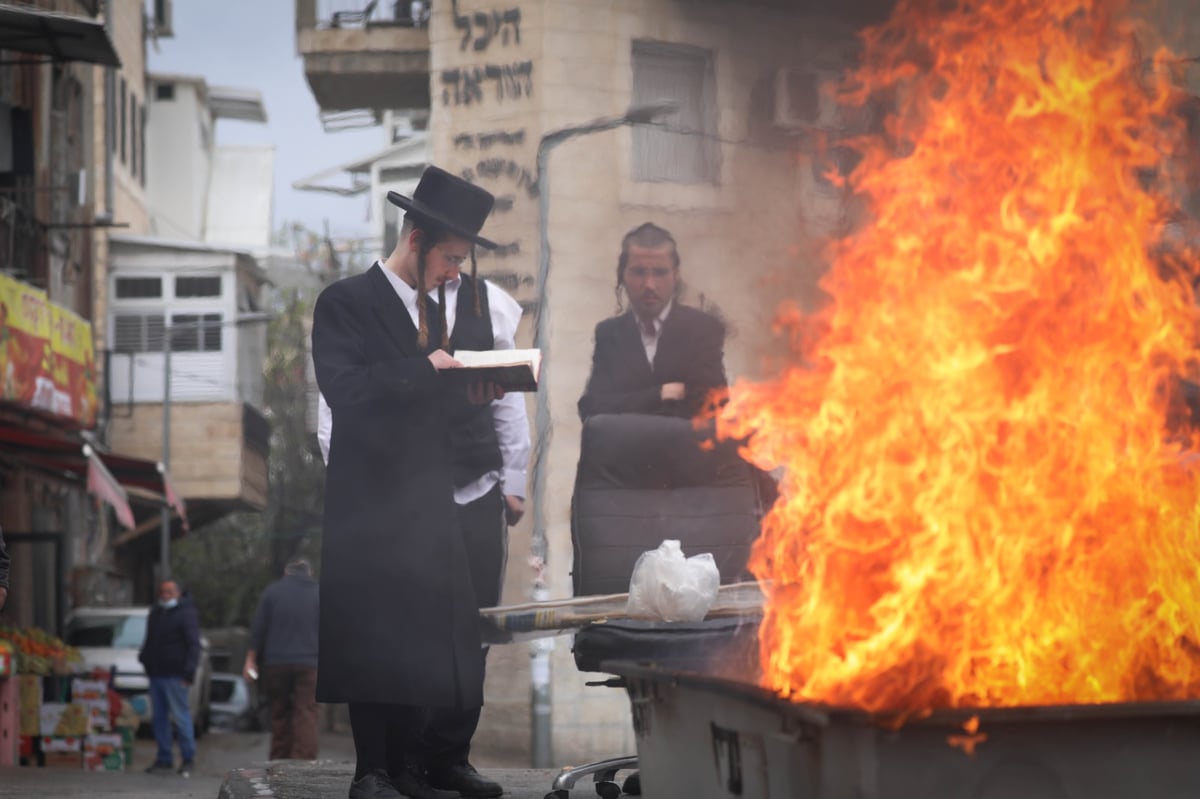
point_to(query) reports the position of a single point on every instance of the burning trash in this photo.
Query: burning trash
(989, 498)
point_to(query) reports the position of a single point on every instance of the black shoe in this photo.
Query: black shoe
(160, 768)
(374, 785)
(411, 782)
(463, 777)
(186, 769)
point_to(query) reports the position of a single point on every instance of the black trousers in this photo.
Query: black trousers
(485, 533)
(388, 737)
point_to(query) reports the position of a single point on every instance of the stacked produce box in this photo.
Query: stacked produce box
(67, 716)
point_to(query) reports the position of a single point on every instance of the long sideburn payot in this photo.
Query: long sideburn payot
(442, 317)
(475, 287)
(422, 301)
(422, 322)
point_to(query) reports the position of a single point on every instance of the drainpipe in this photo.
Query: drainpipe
(110, 83)
(105, 217)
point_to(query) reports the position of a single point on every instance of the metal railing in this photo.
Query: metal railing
(24, 244)
(370, 13)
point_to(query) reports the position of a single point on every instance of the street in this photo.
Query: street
(216, 755)
(219, 754)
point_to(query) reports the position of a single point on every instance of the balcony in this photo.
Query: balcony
(24, 244)
(199, 299)
(363, 55)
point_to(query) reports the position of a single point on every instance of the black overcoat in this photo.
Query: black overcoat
(691, 350)
(398, 615)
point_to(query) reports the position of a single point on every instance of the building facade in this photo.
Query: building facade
(187, 291)
(79, 490)
(50, 210)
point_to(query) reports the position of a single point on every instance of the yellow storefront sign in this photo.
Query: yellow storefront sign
(47, 358)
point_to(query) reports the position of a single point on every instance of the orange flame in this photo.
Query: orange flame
(981, 504)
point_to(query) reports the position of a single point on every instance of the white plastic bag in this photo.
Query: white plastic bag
(667, 586)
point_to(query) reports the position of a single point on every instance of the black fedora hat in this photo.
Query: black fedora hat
(448, 202)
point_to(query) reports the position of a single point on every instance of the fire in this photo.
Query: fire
(984, 501)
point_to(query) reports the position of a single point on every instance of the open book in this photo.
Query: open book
(513, 370)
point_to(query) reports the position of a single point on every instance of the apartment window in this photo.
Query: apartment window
(138, 333)
(196, 332)
(186, 287)
(139, 288)
(124, 102)
(164, 91)
(134, 123)
(683, 75)
(142, 146)
(111, 118)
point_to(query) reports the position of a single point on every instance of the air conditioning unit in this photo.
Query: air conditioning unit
(161, 24)
(803, 99)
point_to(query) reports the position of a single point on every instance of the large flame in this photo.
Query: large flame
(983, 502)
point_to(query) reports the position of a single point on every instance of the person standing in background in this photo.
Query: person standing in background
(660, 356)
(283, 650)
(170, 655)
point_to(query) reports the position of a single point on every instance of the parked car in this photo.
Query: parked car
(110, 638)
(235, 704)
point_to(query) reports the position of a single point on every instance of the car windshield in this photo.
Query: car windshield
(120, 632)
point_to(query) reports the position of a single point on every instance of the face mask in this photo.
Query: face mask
(168, 603)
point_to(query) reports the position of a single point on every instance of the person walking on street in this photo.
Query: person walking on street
(399, 630)
(170, 654)
(283, 650)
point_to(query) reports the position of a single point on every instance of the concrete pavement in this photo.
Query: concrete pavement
(328, 780)
(233, 766)
(319, 780)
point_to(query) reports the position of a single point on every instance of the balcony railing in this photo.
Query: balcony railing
(24, 244)
(371, 13)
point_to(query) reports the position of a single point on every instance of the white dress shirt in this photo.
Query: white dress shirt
(650, 342)
(508, 413)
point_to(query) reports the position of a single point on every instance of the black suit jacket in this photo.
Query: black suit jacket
(398, 619)
(691, 348)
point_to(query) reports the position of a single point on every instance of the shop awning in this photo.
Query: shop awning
(111, 478)
(102, 484)
(63, 37)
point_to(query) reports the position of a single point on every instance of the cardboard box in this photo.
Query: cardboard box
(29, 704)
(51, 743)
(93, 694)
(104, 752)
(88, 690)
(114, 761)
(63, 719)
(63, 760)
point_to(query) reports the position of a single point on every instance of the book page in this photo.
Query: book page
(475, 358)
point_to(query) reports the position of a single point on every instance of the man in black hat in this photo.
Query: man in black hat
(399, 634)
(490, 448)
